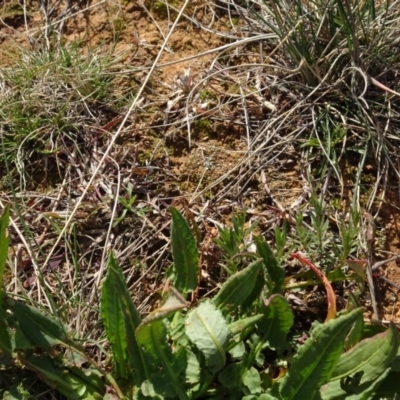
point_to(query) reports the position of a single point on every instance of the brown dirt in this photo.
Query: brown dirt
(391, 226)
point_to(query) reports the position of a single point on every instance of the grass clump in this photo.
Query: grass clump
(335, 59)
(52, 107)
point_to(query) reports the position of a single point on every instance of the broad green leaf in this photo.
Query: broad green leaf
(148, 392)
(315, 361)
(371, 330)
(238, 352)
(184, 253)
(121, 319)
(359, 368)
(4, 239)
(209, 332)
(351, 386)
(229, 377)
(21, 342)
(238, 287)
(176, 331)
(193, 371)
(169, 388)
(90, 376)
(275, 271)
(255, 294)
(252, 381)
(43, 331)
(67, 383)
(355, 334)
(152, 337)
(113, 320)
(277, 321)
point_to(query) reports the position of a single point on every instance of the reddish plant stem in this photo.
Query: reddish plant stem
(330, 294)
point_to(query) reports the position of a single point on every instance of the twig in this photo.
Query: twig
(380, 263)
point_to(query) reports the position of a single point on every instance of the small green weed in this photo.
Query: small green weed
(127, 203)
(202, 127)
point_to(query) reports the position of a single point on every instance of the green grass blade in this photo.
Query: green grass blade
(4, 239)
(184, 253)
(209, 332)
(238, 287)
(316, 360)
(369, 360)
(121, 319)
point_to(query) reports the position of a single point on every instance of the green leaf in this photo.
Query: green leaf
(193, 370)
(4, 239)
(229, 377)
(359, 368)
(388, 387)
(264, 396)
(21, 342)
(255, 294)
(148, 392)
(184, 253)
(5, 339)
(244, 324)
(277, 321)
(355, 334)
(121, 319)
(152, 336)
(17, 392)
(67, 383)
(43, 331)
(252, 381)
(238, 287)
(275, 271)
(238, 351)
(209, 332)
(173, 302)
(315, 361)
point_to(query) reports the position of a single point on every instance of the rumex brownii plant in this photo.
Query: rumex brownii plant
(226, 346)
